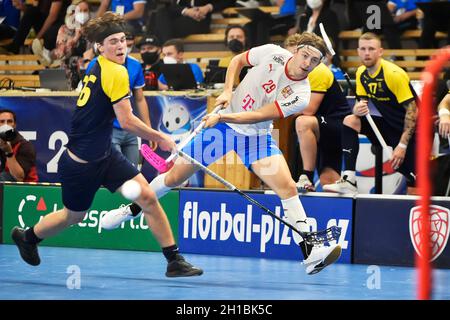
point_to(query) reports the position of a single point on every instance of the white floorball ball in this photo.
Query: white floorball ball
(131, 190)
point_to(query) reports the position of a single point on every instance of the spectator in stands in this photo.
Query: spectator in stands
(318, 11)
(132, 11)
(17, 155)
(436, 19)
(45, 17)
(319, 125)
(360, 16)
(259, 31)
(236, 42)
(172, 52)
(69, 35)
(185, 18)
(150, 50)
(404, 13)
(388, 88)
(10, 10)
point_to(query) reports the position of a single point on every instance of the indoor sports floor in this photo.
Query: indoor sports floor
(111, 274)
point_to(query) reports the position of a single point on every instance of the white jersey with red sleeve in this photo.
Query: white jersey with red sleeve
(267, 82)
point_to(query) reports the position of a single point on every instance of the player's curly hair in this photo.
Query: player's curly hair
(97, 29)
(313, 40)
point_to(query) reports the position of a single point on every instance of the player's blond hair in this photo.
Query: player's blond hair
(370, 36)
(307, 39)
(97, 29)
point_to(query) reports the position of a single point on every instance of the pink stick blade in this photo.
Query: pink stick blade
(155, 160)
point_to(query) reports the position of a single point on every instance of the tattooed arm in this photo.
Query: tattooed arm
(408, 130)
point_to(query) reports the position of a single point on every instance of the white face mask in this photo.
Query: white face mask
(170, 60)
(129, 50)
(81, 17)
(314, 4)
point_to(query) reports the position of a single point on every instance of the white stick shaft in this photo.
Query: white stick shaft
(378, 134)
(199, 128)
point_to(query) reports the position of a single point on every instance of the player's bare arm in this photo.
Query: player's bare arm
(314, 104)
(266, 113)
(399, 152)
(410, 122)
(235, 67)
(444, 116)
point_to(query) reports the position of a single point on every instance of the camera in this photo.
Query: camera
(7, 133)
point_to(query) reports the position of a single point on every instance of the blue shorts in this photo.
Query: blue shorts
(213, 143)
(80, 181)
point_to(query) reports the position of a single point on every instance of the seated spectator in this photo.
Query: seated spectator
(17, 155)
(236, 42)
(362, 17)
(132, 11)
(259, 31)
(318, 11)
(45, 17)
(69, 35)
(185, 18)
(404, 13)
(150, 50)
(10, 10)
(172, 52)
(436, 19)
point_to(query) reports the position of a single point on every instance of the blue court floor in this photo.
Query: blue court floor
(68, 273)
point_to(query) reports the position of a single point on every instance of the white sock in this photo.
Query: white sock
(351, 175)
(159, 186)
(293, 210)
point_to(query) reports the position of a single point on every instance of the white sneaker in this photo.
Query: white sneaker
(114, 218)
(320, 257)
(304, 184)
(342, 186)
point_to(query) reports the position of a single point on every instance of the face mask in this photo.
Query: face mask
(81, 17)
(129, 50)
(150, 57)
(235, 46)
(170, 60)
(314, 4)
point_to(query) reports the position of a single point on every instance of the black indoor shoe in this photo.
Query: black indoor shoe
(181, 268)
(28, 251)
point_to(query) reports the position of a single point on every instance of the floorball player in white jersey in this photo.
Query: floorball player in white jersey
(276, 87)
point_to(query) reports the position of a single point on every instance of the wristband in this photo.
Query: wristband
(443, 112)
(9, 154)
(402, 145)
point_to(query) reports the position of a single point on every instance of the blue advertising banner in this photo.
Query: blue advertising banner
(45, 121)
(387, 231)
(223, 223)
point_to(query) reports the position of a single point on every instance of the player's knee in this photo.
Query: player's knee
(303, 123)
(352, 121)
(147, 198)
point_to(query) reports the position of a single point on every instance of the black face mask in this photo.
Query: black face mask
(235, 46)
(150, 57)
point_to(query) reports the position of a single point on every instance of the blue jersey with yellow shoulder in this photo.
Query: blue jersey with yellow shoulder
(91, 126)
(388, 88)
(334, 103)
